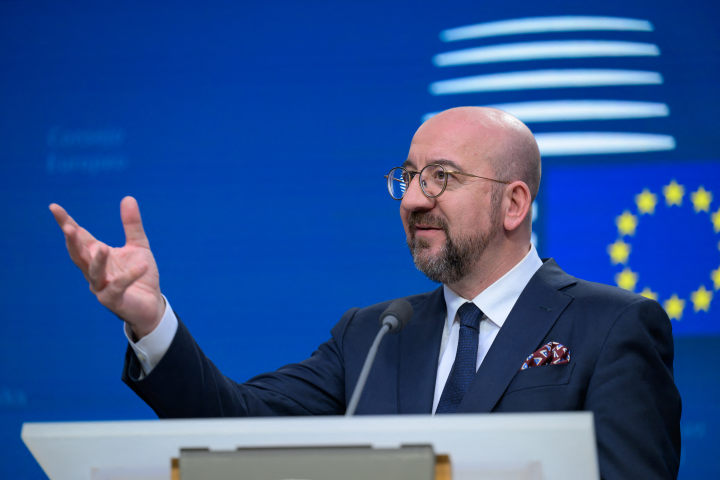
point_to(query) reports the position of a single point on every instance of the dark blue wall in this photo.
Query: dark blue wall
(226, 121)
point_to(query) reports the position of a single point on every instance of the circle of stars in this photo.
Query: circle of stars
(627, 223)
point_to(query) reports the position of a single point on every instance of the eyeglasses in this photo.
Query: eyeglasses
(434, 179)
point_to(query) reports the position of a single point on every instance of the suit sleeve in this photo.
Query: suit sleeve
(633, 396)
(186, 384)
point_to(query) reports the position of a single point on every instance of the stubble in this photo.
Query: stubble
(458, 255)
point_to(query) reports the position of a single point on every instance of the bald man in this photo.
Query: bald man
(478, 343)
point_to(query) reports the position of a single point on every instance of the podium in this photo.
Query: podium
(527, 446)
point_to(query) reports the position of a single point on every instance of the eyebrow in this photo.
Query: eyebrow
(440, 161)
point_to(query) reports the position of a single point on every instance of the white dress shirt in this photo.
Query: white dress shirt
(495, 302)
(150, 349)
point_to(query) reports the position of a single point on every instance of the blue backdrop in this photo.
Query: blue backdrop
(255, 138)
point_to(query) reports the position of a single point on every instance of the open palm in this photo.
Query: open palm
(124, 279)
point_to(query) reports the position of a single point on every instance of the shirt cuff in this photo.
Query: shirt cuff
(150, 349)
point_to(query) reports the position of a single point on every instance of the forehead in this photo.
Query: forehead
(463, 145)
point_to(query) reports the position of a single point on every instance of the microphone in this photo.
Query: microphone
(392, 320)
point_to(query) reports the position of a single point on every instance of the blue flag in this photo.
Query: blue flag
(650, 229)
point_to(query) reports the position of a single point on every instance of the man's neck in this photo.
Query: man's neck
(493, 264)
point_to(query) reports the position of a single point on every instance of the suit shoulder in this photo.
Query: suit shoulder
(414, 300)
(597, 297)
(594, 289)
(362, 323)
(608, 298)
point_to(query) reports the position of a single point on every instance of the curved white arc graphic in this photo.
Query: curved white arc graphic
(545, 50)
(544, 24)
(596, 143)
(535, 79)
(573, 110)
(576, 110)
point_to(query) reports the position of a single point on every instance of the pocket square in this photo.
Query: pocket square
(551, 353)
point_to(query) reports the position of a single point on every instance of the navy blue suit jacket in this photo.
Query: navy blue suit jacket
(621, 368)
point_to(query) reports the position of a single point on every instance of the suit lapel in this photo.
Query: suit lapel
(530, 320)
(419, 352)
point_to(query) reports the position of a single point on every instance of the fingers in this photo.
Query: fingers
(115, 289)
(109, 273)
(61, 216)
(77, 239)
(110, 292)
(79, 254)
(97, 271)
(132, 223)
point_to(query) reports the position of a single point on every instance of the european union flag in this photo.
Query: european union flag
(650, 229)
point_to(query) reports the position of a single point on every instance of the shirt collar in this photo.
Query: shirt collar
(497, 300)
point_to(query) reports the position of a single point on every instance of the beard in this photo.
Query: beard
(458, 255)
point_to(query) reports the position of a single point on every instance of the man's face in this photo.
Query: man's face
(448, 235)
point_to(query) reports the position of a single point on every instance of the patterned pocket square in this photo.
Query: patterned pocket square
(551, 353)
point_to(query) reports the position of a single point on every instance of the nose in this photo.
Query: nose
(414, 198)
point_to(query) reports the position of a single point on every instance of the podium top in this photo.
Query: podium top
(474, 441)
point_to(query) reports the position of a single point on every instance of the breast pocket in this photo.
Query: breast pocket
(544, 376)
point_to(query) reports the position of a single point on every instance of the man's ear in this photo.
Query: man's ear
(518, 200)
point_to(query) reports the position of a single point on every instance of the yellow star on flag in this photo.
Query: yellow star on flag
(626, 279)
(627, 222)
(674, 307)
(647, 293)
(619, 251)
(715, 217)
(701, 200)
(715, 275)
(646, 201)
(673, 193)
(701, 299)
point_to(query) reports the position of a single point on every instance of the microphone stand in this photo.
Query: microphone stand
(355, 399)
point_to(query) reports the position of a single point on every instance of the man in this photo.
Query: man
(466, 188)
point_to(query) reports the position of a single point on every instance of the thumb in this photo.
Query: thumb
(132, 223)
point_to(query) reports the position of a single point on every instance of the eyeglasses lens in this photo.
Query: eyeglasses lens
(432, 180)
(397, 182)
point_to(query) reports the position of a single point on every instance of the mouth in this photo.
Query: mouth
(426, 231)
(423, 223)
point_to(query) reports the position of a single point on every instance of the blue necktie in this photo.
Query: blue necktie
(464, 368)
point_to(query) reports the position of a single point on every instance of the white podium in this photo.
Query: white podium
(480, 446)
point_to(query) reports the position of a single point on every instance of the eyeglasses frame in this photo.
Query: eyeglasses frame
(413, 174)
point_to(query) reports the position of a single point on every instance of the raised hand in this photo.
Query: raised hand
(125, 279)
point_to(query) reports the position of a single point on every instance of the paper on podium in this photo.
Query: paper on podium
(527, 446)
